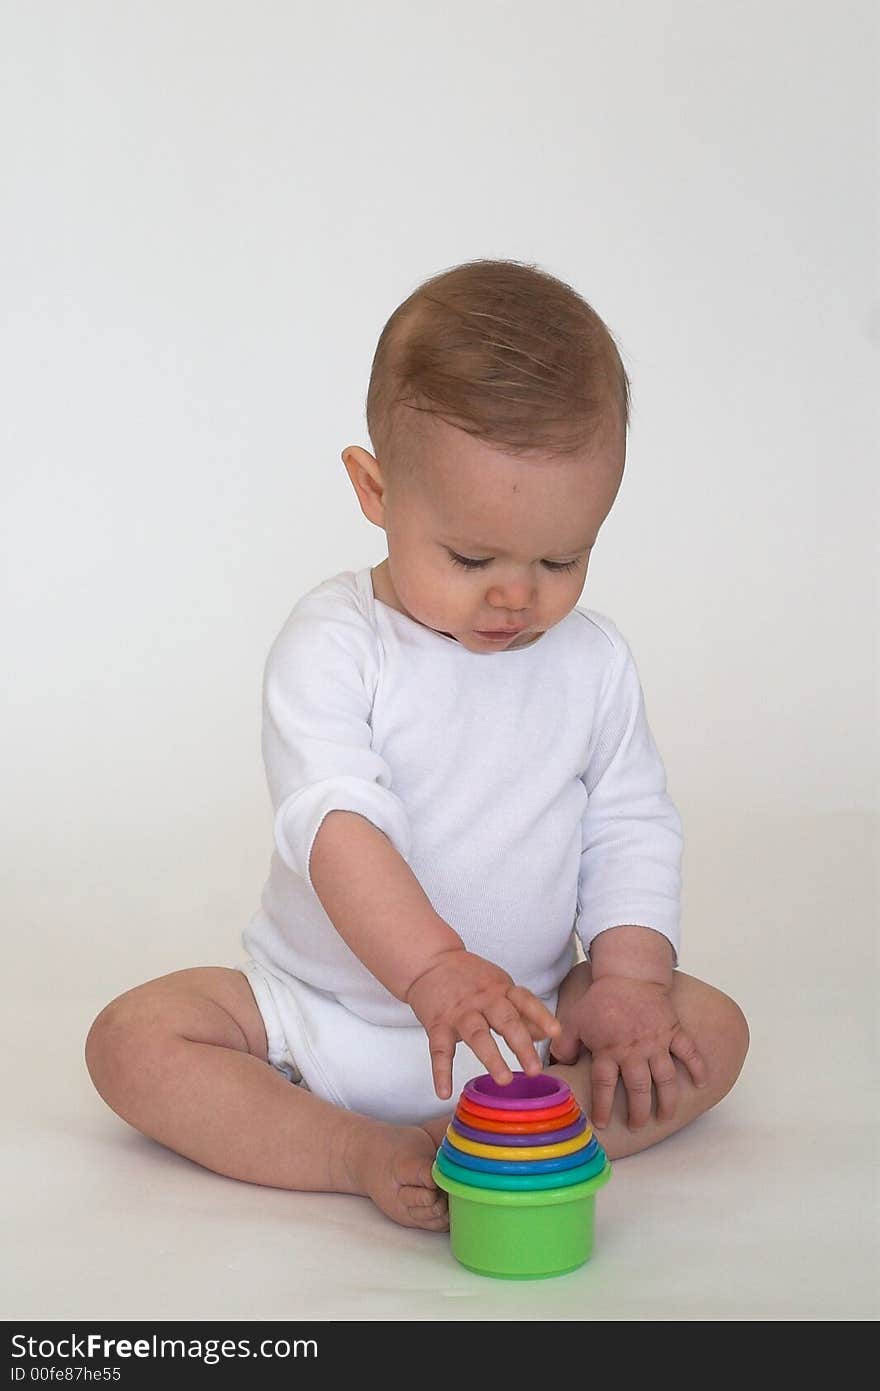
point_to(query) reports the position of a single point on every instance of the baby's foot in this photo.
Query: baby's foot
(392, 1165)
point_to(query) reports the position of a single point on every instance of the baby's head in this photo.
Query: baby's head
(497, 409)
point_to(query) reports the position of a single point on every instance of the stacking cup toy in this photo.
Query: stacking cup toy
(521, 1168)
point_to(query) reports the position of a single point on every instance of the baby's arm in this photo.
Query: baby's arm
(378, 907)
(629, 896)
(639, 953)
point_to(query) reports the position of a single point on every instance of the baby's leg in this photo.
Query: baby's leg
(183, 1059)
(717, 1026)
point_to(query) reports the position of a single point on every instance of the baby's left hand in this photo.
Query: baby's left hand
(633, 1031)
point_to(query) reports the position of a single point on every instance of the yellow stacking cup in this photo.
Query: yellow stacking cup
(524, 1152)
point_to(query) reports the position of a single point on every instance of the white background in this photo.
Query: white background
(209, 212)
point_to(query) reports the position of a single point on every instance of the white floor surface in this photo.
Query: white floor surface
(766, 1208)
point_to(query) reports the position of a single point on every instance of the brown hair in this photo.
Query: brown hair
(502, 350)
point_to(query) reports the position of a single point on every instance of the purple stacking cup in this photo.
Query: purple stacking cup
(547, 1137)
(523, 1093)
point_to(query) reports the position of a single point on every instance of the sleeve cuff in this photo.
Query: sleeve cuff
(663, 923)
(299, 818)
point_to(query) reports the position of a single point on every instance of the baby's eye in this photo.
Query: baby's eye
(552, 565)
(468, 564)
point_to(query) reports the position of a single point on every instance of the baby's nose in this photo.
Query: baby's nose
(514, 595)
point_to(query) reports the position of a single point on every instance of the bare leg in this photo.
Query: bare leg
(718, 1027)
(183, 1059)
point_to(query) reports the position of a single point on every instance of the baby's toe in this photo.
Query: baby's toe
(424, 1197)
(428, 1207)
(417, 1174)
(429, 1220)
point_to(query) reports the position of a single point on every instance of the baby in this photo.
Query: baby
(464, 784)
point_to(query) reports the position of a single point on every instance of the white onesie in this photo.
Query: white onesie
(522, 787)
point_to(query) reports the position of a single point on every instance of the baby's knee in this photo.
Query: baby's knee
(103, 1045)
(119, 1041)
(730, 1041)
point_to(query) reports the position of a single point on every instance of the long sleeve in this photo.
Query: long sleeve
(630, 868)
(316, 735)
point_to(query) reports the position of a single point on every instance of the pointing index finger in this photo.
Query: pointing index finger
(441, 1043)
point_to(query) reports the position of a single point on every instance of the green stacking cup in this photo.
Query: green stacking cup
(522, 1235)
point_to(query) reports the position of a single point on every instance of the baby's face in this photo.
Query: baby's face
(480, 541)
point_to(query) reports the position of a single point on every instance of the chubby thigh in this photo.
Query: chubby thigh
(206, 1004)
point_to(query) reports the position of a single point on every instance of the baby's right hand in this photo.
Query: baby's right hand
(463, 996)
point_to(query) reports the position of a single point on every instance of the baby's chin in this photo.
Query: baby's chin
(475, 642)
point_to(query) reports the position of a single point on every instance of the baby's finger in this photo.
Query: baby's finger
(507, 1022)
(666, 1084)
(535, 1011)
(475, 1031)
(683, 1047)
(603, 1085)
(537, 1033)
(441, 1043)
(636, 1078)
